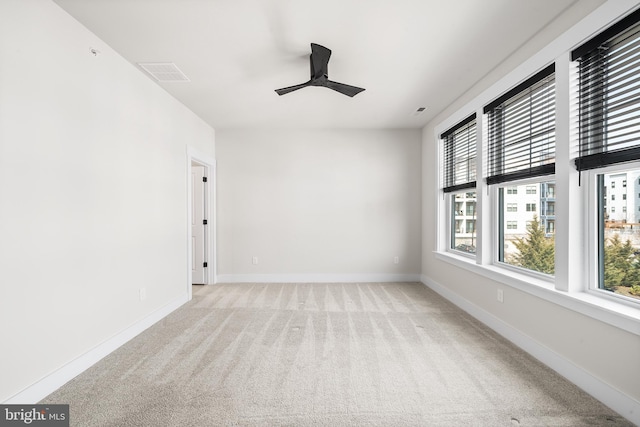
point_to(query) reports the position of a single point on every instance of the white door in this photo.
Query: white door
(198, 215)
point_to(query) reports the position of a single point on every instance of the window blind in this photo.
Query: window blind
(609, 95)
(460, 155)
(521, 130)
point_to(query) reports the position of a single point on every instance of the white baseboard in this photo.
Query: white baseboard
(620, 402)
(316, 278)
(50, 383)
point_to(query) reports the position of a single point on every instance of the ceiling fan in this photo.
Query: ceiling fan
(319, 60)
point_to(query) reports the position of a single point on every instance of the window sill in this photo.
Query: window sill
(619, 314)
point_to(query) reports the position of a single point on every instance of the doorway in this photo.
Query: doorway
(199, 224)
(201, 265)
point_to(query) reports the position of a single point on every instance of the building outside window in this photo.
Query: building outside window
(551, 227)
(471, 205)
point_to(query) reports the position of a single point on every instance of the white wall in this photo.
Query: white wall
(318, 205)
(600, 356)
(93, 200)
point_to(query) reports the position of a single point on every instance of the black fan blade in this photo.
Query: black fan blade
(286, 90)
(343, 88)
(319, 61)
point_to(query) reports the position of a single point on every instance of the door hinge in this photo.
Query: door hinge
(204, 264)
(204, 179)
(204, 222)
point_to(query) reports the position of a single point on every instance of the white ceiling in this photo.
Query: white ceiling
(406, 53)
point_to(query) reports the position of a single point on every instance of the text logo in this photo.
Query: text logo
(34, 415)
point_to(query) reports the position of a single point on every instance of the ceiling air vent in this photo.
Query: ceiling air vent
(164, 71)
(419, 111)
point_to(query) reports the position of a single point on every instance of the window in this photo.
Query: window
(550, 191)
(609, 134)
(512, 207)
(521, 146)
(551, 227)
(512, 190)
(471, 208)
(471, 225)
(459, 168)
(550, 209)
(533, 246)
(458, 207)
(624, 184)
(618, 246)
(463, 232)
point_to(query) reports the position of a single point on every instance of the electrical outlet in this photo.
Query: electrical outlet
(143, 294)
(255, 260)
(500, 295)
(396, 260)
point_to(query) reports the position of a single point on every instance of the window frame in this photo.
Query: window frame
(499, 175)
(450, 229)
(593, 261)
(450, 187)
(498, 219)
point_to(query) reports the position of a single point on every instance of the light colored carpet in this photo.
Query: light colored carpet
(388, 354)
